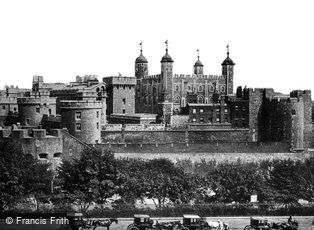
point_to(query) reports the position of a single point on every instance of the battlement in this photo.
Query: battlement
(157, 76)
(36, 101)
(210, 77)
(300, 93)
(119, 80)
(83, 104)
(19, 133)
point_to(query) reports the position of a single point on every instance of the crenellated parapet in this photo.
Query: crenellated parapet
(36, 101)
(157, 76)
(201, 76)
(119, 80)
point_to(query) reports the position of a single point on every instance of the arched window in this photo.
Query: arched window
(176, 99)
(211, 88)
(200, 99)
(200, 88)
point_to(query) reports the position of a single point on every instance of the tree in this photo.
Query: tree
(21, 175)
(91, 178)
(287, 182)
(235, 181)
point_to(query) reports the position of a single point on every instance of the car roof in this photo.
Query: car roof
(189, 216)
(141, 216)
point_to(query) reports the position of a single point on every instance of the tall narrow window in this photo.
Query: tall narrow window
(123, 100)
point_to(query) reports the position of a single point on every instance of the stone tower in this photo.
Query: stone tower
(227, 71)
(82, 118)
(166, 81)
(198, 66)
(141, 70)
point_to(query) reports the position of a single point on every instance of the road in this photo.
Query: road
(235, 223)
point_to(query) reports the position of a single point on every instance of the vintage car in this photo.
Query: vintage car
(141, 222)
(194, 222)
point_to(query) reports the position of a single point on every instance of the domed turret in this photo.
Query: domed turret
(228, 60)
(198, 63)
(198, 66)
(227, 71)
(166, 57)
(141, 59)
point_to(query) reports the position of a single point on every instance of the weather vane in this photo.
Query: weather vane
(228, 49)
(141, 43)
(198, 53)
(166, 42)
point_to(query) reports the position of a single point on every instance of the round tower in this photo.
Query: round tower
(32, 109)
(166, 110)
(141, 65)
(82, 119)
(141, 70)
(166, 75)
(227, 71)
(198, 66)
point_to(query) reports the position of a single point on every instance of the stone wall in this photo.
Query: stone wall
(178, 136)
(189, 149)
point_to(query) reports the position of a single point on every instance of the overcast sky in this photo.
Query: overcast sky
(271, 42)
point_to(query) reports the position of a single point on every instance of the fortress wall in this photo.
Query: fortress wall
(179, 136)
(211, 150)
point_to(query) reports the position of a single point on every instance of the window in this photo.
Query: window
(217, 119)
(222, 89)
(201, 119)
(3, 107)
(226, 110)
(123, 110)
(194, 119)
(177, 87)
(78, 126)
(14, 109)
(49, 111)
(37, 110)
(78, 115)
(200, 88)
(123, 100)
(97, 125)
(27, 121)
(70, 152)
(201, 110)
(97, 114)
(194, 110)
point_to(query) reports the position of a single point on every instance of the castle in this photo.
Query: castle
(53, 119)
